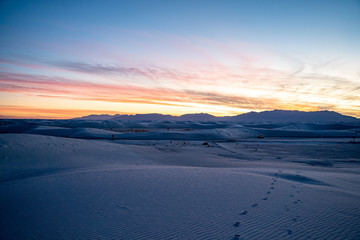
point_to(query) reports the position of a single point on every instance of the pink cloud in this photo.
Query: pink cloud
(66, 88)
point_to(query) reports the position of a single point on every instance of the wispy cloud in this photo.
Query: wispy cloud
(44, 86)
(153, 73)
(236, 76)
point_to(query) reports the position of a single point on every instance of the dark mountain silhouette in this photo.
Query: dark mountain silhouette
(266, 116)
(198, 117)
(293, 116)
(144, 117)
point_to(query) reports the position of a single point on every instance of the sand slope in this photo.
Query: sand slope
(53, 187)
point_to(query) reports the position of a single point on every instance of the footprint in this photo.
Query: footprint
(236, 237)
(122, 207)
(255, 205)
(272, 188)
(272, 183)
(289, 231)
(268, 192)
(265, 198)
(291, 195)
(244, 212)
(236, 224)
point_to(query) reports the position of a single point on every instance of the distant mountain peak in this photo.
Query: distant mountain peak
(265, 116)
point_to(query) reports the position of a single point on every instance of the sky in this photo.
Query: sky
(68, 58)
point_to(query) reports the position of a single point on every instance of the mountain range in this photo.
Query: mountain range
(266, 116)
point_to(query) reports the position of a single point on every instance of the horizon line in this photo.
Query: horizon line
(113, 114)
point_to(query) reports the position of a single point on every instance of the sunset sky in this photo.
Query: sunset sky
(64, 59)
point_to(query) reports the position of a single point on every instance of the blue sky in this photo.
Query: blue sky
(218, 57)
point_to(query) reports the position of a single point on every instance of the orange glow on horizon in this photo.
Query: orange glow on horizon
(227, 83)
(23, 112)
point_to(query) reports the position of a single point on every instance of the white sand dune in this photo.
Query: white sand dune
(53, 187)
